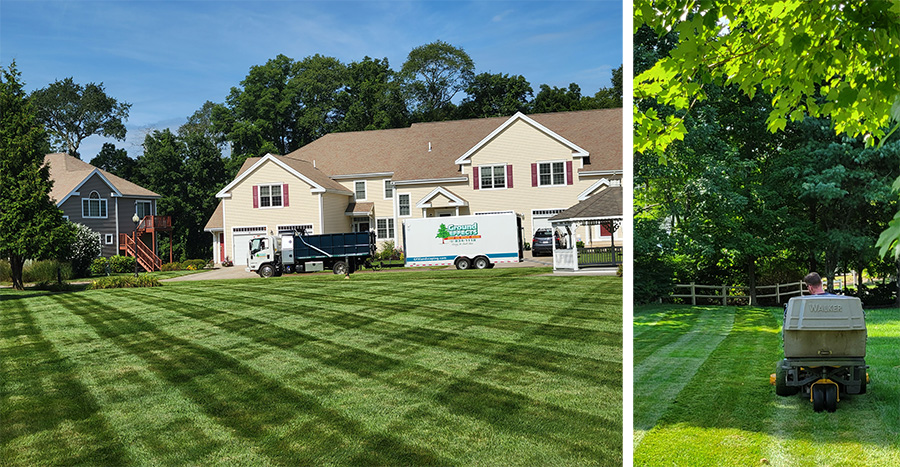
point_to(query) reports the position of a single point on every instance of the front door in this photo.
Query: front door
(361, 224)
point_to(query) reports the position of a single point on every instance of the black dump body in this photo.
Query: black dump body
(344, 245)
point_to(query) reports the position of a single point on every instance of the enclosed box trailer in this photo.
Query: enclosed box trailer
(463, 241)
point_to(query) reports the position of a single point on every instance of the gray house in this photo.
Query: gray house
(100, 200)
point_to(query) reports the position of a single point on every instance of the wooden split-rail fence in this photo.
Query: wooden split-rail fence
(780, 292)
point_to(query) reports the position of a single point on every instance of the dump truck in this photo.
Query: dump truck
(467, 242)
(274, 255)
(824, 338)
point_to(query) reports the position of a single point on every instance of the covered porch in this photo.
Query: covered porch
(604, 209)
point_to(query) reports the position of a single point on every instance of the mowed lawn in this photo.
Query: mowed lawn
(702, 394)
(496, 367)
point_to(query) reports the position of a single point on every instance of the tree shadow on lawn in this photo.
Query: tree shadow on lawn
(507, 411)
(289, 427)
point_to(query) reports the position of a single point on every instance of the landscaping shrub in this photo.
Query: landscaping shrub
(170, 267)
(98, 266)
(121, 263)
(83, 250)
(389, 252)
(46, 271)
(880, 295)
(120, 282)
(194, 264)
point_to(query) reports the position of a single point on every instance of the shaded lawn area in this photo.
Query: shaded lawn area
(399, 367)
(702, 394)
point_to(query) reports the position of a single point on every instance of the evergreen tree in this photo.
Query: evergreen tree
(31, 226)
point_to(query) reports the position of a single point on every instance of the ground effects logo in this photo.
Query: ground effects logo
(458, 232)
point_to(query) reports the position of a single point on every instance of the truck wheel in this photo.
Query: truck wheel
(830, 398)
(340, 267)
(463, 263)
(818, 395)
(781, 387)
(482, 263)
(266, 271)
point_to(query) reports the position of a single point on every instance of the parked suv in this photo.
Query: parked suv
(540, 244)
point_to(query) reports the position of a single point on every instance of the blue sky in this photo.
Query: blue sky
(168, 58)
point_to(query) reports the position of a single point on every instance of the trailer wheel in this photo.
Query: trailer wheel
(818, 395)
(781, 387)
(831, 397)
(481, 263)
(340, 267)
(266, 271)
(463, 263)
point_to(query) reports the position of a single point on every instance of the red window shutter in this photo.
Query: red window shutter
(284, 195)
(534, 177)
(603, 231)
(477, 181)
(568, 172)
(255, 196)
(509, 183)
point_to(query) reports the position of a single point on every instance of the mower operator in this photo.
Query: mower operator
(814, 284)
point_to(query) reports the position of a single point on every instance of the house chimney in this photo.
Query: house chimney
(429, 146)
(314, 163)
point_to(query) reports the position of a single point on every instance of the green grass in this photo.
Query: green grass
(702, 394)
(494, 367)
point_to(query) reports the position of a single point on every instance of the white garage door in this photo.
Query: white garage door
(240, 243)
(541, 218)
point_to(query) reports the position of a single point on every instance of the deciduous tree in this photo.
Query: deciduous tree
(496, 95)
(72, 112)
(434, 73)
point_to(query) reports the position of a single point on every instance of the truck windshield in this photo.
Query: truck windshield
(257, 244)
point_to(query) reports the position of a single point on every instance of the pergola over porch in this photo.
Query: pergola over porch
(602, 208)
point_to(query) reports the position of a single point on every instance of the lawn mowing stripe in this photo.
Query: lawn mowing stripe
(726, 403)
(152, 419)
(47, 413)
(653, 390)
(542, 415)
(464, 302)
(244, 399)
(262, 331)
(259, 330)
(512, 354)
(465, 319)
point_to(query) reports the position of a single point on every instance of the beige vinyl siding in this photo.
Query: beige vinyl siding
(336, 221)
(374, 194)
(303, 206)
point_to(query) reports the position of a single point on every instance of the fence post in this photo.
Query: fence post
(693, 295)
(724, 295)
(778, 293)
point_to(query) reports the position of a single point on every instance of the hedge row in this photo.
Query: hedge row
(119, 282)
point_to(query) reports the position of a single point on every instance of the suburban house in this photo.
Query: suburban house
(107, 204)
(533, 165)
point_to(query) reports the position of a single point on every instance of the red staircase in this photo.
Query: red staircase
(134, 246)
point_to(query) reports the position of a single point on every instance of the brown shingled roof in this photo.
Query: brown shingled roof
(305, 168)
(405, 151)
(606, 203)
(68, 173)
(217, 220)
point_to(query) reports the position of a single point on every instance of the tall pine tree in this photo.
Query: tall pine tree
(31, 226)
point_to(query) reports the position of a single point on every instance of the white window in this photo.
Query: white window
(142, 209)
(388, 189)
(492, 176)
(403, 204)
(290, 229)
(109, 239)
(385, 228)
(93, 206)
(551, 173)
(270, 196)
(360, 190)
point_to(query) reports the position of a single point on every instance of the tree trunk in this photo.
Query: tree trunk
(16, 264)
(898, 283)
